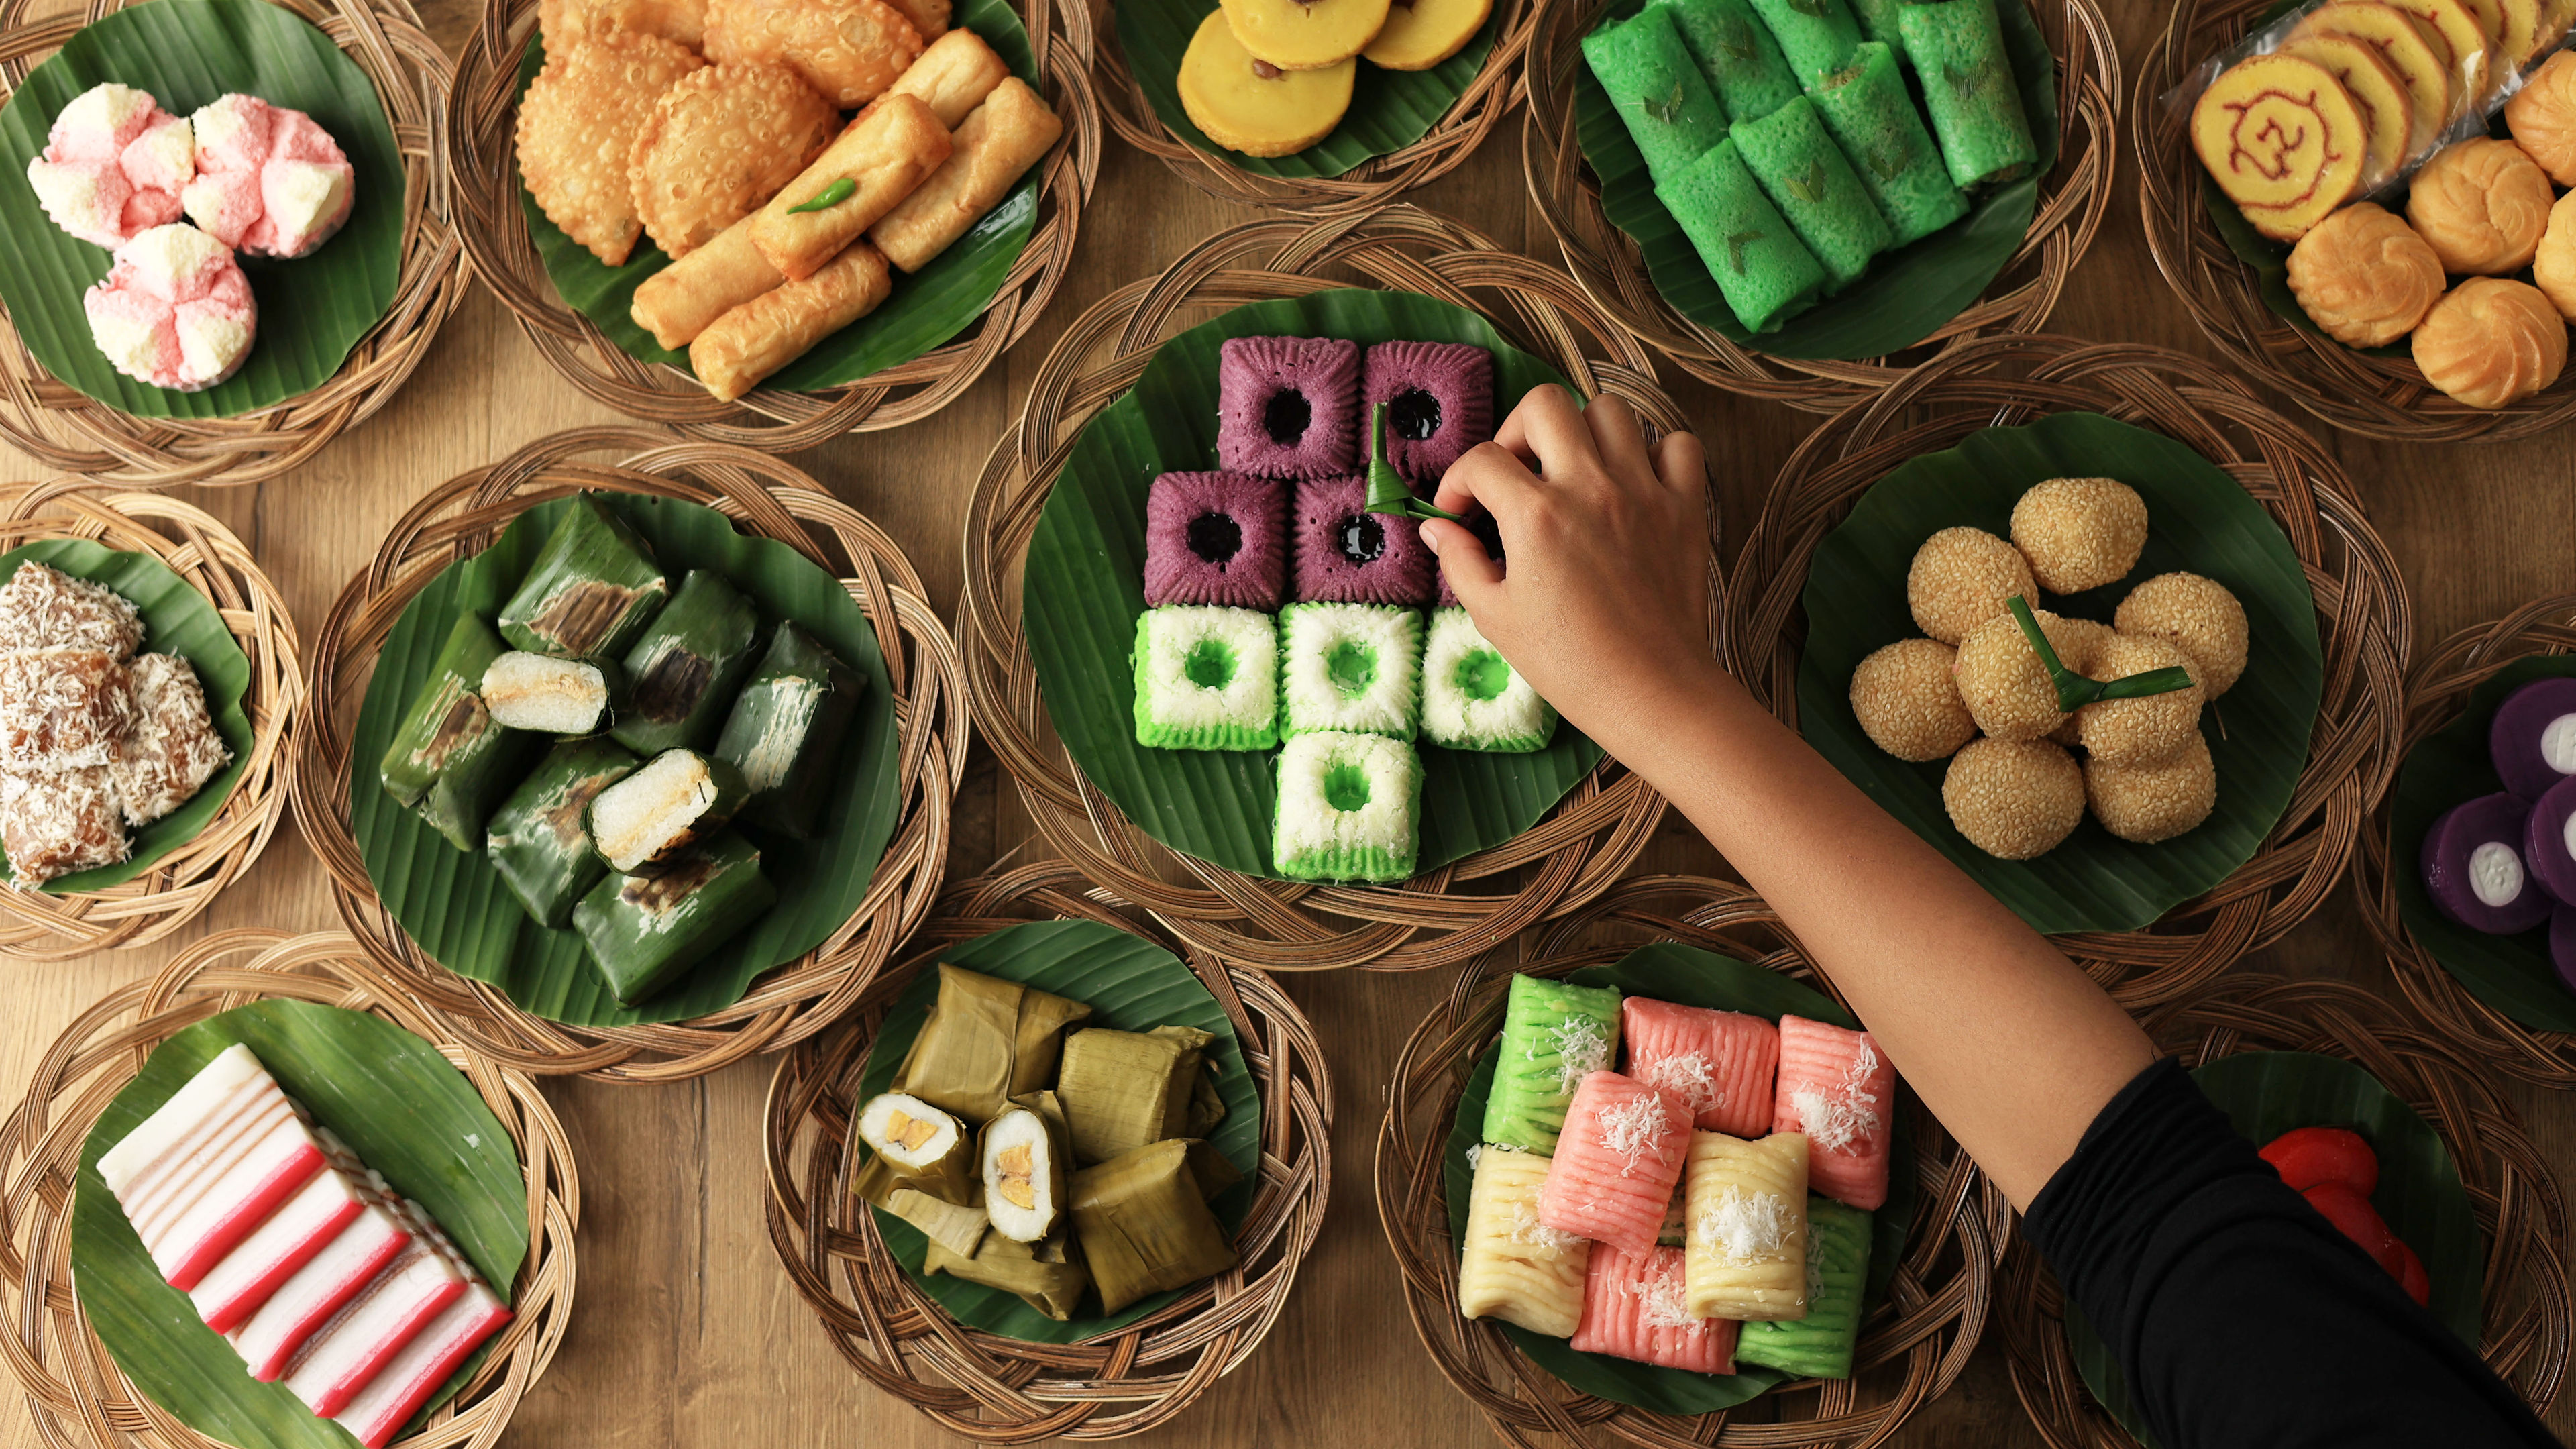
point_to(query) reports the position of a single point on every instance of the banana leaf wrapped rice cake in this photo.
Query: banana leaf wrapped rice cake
(539, 839)
(1145, 1226)
(592, 589)
(786, 729)
(548, 694)
(682, 673)
(1052, 1286)
(644, 930)
(641, 823)
(1124, 1089)
(929, 1149)
(450, 760)
(1026, 1161)
(985, 1042)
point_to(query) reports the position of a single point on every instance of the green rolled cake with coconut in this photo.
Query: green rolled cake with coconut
(1866, 107)
(1817, 36)
(1658, 90)
(1554, 1035)
(1807, 176)
(1735, 51)
(1958, 50)
(1766, 273)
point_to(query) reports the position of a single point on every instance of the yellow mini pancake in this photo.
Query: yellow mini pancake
(1293, 35)
(1278, 114)
(1424, 33)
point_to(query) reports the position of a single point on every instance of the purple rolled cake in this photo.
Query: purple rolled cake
(1216, 538)
(1288, 407)
(1439, 400)
(1340, 553)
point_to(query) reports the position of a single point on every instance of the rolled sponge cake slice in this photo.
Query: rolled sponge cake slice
(1807, 176)
(113, 165)
(1866, 107)
(1767, 274)
(208, 1166)
(1657, 89)
(175, 311)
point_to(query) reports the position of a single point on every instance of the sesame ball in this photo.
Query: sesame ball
(1960, 578)
(1905, 699)
(2140, 731)
(2151, 803)
(2006, 688)
(2080, 533)
(2196, 614)
(2014, 799)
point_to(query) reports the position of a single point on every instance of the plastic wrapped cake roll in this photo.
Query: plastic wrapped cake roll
(1817, 36)
(1807, 176)
(41, 607)
(771, 330)
(1820, 1345)
(1510, 1265)
(876, 161)
(1766, 273)
(786, 727)
(1716, 1066)
(924, 1147)
(1616, 1162)
(545, 694)
(171, 750)
(685, 298)
(1637, 1307)
(1144, 1226)
(407, 1381)
(200, 1173)
(54, 823)
(1026, 1158)
(1736, 53)
(1658, 90)
(1124, 1089)
(1838, 1090)
(682, 672)
(450, 760)
(1748, 1227)
(1866, 107)
(592, 590)
(1958, 49)
(1054, 1288)
(344, 1355)
(1011, 132)
(539, 839)
(643, 931)
(1554, 1035)
(641, 823)
(316, 1292)
(62, 709)
(317, 1216)
(985, 1042)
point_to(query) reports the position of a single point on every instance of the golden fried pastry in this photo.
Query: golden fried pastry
(2491, 342)
(1006, 136)
(2553, 267)
(952, 77)
(562, 22)
(2387, 109)
(2483, 204)
(850, 50)
(2283, 140)
(887, 152)
(717, 145)
(2542, 117)
(783, 324)
(574, 126)
(2412, 52)
(929, 17)
(2365, 276)
(683, 299)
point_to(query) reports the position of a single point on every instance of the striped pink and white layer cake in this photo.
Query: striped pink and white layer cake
(210, 1166)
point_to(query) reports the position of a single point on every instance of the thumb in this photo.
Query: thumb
(1473, 574)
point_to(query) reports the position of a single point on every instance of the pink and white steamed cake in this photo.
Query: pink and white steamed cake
(114, 165)
(175, 311)
(268, 180)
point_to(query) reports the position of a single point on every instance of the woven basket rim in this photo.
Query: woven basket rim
(2512, 1186)
(63, 429)
(218, 565)
(1613, 271)
(480, 136)
(767, 498)
(1479, 109)
(1574, 852)
(1936, 1308)
(103, 1048)
(1000, 1390)
(2374, 397)
(2363, 617)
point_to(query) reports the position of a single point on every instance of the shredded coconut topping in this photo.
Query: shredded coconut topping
(1529, 1231)
(1582, 1048)
(1475, 1155)
(1635, 1128)
(1663, 1298)
(1839, 1119)
(1689, 1079)
(1743, 1227)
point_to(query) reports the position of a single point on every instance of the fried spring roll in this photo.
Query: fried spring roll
(774, 329)
(1003, 138)
(954, 76)
(680, 301)
(930, 17)
(882, 156)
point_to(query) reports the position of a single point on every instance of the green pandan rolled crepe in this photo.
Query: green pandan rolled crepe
(1866, 108)
(1958, 51)
(1806, 175)
(1736, 53)
(1554, 1035)
(1878, 22)
(1819, 1346)
(1767, 274)
(1817, 36)
(1658, 89)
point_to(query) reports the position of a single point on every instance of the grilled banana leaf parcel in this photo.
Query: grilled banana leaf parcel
(539, 840)
(450, 760)
(985, 1041)
(644, 930)
(1054, 1289)
(682, 672)
(1124, 1089)
(785, 731)
(647, 819)
(592, 589)
(1144, 1226)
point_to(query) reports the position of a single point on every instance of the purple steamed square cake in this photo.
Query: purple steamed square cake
(1216, 538)
(1343, 554)
(1439, 400)
(1288, 407)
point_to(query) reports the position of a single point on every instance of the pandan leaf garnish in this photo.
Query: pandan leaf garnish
(1668, 110)
(1809, 188)
(1735, 245)
(1815, 8)
(1387, 490)
(1886, 167)
(1738, 40)
(2074, 691)
(829, 197)
(1966, 82)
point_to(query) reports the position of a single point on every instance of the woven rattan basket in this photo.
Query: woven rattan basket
(35, 925)
(999, 1390)
(2376, 397)
(1382, 179)
(768, 499)
(75, 1391)
(63, 429)
(2362, 616)
(1911, 1350)
(2437, 691)
(1570, 856)
(1610, 267)
(481, 129)
(2511, 1184)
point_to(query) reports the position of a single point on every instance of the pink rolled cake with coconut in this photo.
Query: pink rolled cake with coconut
(114, 165)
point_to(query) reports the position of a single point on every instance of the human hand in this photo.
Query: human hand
(1603, 603)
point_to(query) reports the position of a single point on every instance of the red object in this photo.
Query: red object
(2308, 1156)
(2412, 1277)
(2352, 1213)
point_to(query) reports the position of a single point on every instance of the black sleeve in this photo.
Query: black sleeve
(2239, 1314)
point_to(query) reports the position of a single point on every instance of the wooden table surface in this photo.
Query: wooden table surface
(686, 1331)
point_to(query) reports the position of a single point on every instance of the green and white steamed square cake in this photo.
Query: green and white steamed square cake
(1472, 700)
(1350, 808)
(1355, 667)
(1207, 678)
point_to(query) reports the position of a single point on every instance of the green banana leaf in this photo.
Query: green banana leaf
(2265, 1094)
(1908, 294)
(2200, 520)
(1085, 588)
(1668, 971)
(1390, 109)
(313, 309)
(1131, 985)
(928, 307)
(177, 620)
(2513, 974)
(398, 1105)
(455, 906)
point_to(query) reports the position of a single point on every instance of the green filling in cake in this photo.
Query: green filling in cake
(1207, 678)
(1554, 1035)
(1350, 808)
(1658, 90)
(1472, 699)
(1767, 274)
(1820, 1345)
(1867, 110)
(1355, 667)
(1806, 176)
